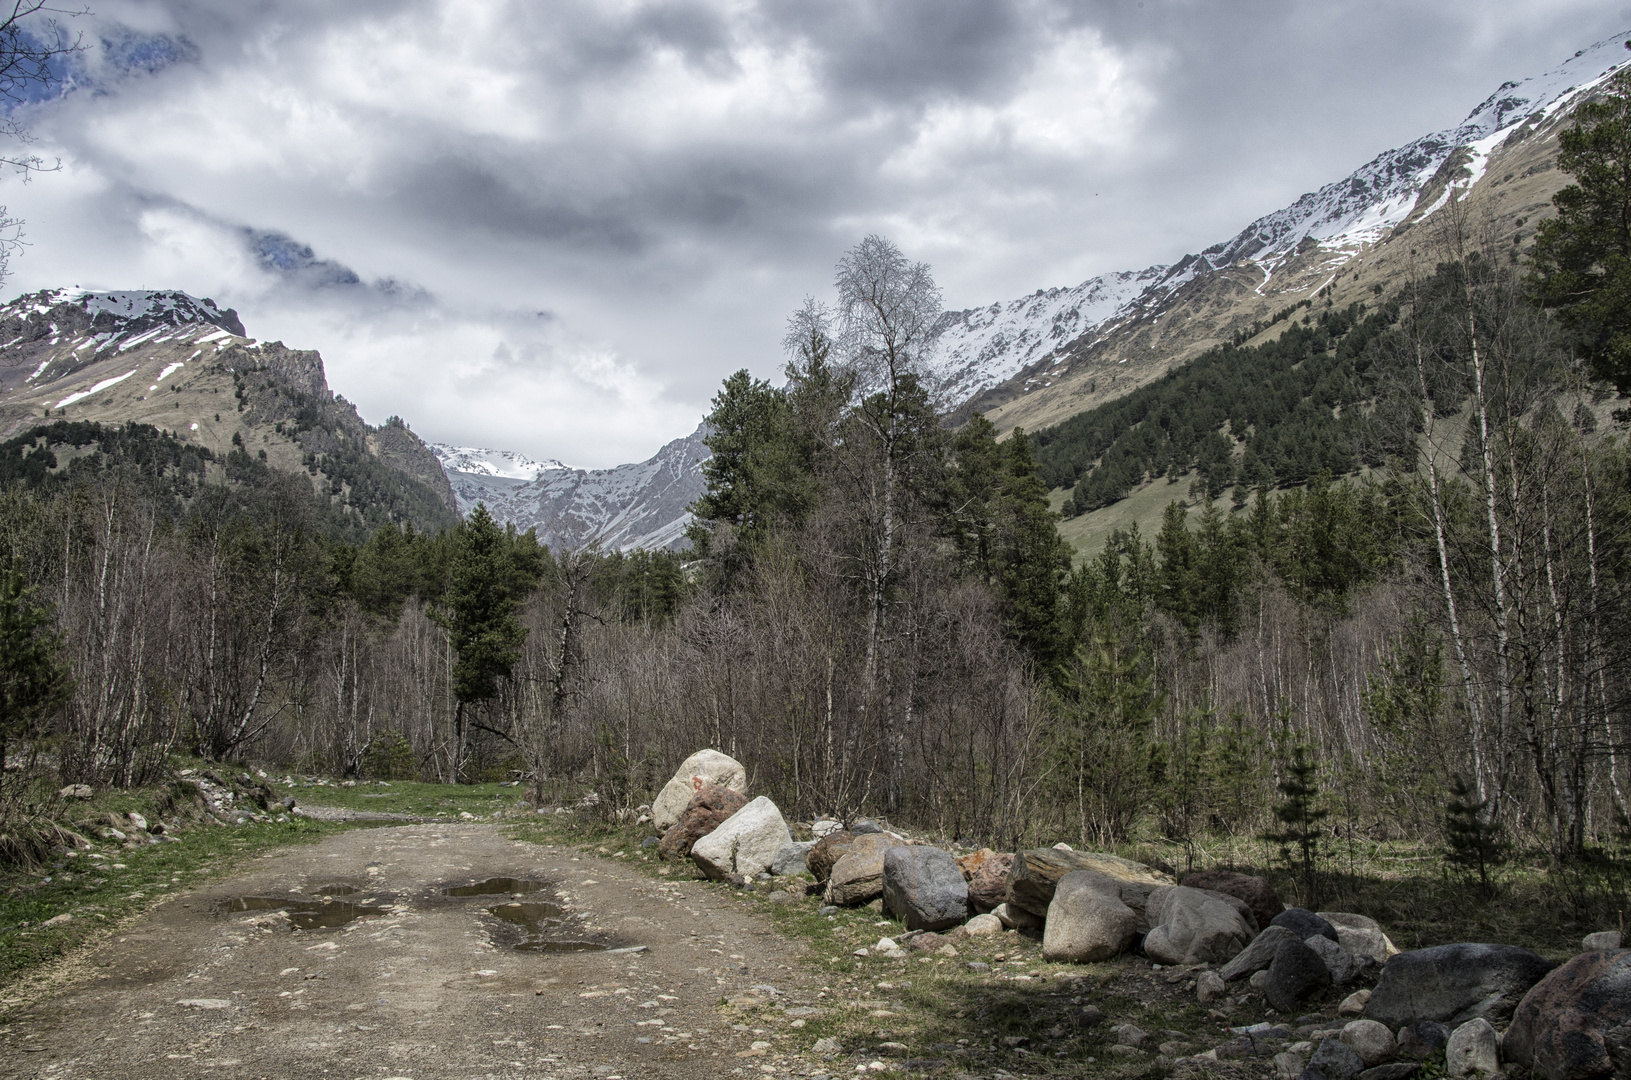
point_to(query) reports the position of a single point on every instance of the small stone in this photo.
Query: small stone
(1288, 1066)
(983, 926)
(75, 791)
(204, 1003)
(886, 945)
(1130, 1035)
(1423, 1039)
(1336, 1060)
(57, 920)
(1473, 1050)
(1209, 985)
(1397, 1070)
(1258, 979)
(828, 910)
(780, 896)
(1603, 939)
(1371, 1040)
(1354, 1003)
(650, 842)
(977, 966)
(1088, 1015)
(827, 1045)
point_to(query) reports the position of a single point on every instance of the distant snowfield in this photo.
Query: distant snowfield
(505, 464)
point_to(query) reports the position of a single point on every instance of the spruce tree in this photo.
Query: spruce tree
(1301, 816)
(1472, 840)
(33, 683)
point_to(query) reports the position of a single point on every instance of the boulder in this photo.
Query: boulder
(1209, 986)
(705, 768)
(1296, 974)
(1036, 873)
(983, 926)
(827, 851)
(1372, 1041)
(857, 877)
(923, 887)
(987, 875)
(1336, 958)
(1258, 955)
(1014, 918)
(1576, 1021)
(1334, 1060)
(1473, 1050)
(1256, 892)
(746, 843)
(1454, 983)
(1195, 926)
(708, 809)
(1087, 920)
(791, 859)
(1304, 923)
(825, 826)
(1423, 1039)
(1361, 936)
(865, 825)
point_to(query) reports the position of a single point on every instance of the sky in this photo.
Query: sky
(556, 227)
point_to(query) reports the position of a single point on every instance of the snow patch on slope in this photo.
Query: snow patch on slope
(507, 464)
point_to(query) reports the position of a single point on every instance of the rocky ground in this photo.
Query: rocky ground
(425, 985)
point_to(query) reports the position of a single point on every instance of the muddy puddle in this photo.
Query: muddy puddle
(496, 886)
(335, 890)
(528, 925)
(306, 914)
(539, 927)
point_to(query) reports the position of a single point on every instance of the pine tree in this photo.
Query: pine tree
(1301, 816)
(33, 684)
(1472, 840)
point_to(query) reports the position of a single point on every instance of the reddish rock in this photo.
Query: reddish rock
(827, 851)
(988, 884)
(1559, 1028)
(706, 811)
(1257, 893)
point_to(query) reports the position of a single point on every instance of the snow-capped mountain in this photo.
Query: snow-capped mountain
(641, 505)
(1283, 255)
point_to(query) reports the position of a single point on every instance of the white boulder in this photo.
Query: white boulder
(702, 769)
(745, 843)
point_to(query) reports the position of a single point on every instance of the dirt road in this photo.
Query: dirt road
(427, 985)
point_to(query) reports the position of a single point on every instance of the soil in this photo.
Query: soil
(421, 984)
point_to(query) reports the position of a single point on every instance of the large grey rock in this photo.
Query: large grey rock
(1576, 1022)
(857, 877)
(791, 858)
(1454, 983)
(1254, 891)
(1473, 1050)
(1304, 923)
(705, 768)
(1296, 974)
(1336, 958)
(1360, 935)
(746, 843)
(1195, 926)
(1036, 874)
(1087, 920)
(924, 888)
(1259, 954)
(1334, 1060)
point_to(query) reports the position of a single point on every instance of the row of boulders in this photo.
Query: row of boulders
(1571, 1021)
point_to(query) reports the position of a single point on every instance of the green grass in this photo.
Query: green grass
(1144, 506)
(402, 796)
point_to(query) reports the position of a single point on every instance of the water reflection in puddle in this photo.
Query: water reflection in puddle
(306, 914)
(497, 886)
(335, 890)
(543, 928)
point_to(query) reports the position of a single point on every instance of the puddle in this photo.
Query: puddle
(543, 929)
(335, 890)
(496, 886)
(306, 914)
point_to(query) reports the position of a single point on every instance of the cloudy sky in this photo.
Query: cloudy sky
(555, 225)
